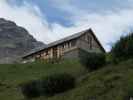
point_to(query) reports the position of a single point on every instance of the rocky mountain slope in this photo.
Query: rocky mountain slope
(15, 41)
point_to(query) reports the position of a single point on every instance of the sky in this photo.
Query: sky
(50, 20)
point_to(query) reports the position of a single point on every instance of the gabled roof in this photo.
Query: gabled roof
(55, 43)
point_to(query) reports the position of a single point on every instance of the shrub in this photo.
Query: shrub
(57, 83)
(30, 89)
(129, 94)
(123, 48)
(128, 90)
(92, 61)
(48, 86)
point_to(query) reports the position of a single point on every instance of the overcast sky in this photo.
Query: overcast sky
(50, 20)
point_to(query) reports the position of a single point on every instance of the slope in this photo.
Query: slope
(112, 82)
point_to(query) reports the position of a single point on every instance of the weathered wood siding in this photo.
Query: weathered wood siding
(61, 49)
(88, 43)
(69, 49)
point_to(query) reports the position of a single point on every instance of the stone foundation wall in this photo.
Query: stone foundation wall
(73, 54)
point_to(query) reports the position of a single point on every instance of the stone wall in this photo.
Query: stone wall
(72, 54)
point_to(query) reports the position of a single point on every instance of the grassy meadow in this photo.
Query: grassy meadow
(11, 75)
(112, 82)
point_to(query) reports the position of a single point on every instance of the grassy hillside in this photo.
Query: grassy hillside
(109, 83)
(12, 75)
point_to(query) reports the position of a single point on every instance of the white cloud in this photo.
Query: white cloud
(28, 16)
(108, 26)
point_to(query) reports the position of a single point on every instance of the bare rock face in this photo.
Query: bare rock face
(15, 41)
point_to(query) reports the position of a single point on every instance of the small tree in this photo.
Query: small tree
(123, 48)
(92, 61)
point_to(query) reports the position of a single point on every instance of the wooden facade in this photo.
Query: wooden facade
(67, 47)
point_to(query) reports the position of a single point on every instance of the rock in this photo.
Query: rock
(15, 41)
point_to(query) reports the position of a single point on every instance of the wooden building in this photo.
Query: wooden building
(68, 47)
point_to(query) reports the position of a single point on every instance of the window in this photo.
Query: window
(90, 42)
(73, 43)
(46, 52)
(69, 45)
(64, 46)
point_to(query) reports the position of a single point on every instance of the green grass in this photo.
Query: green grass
(109, 83)
(13, 74)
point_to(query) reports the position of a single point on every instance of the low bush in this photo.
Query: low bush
(123, 48)
(129, 94)
(57, 83)
(30, 89)
(48, 86)
(128, 90)
(92, 61)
